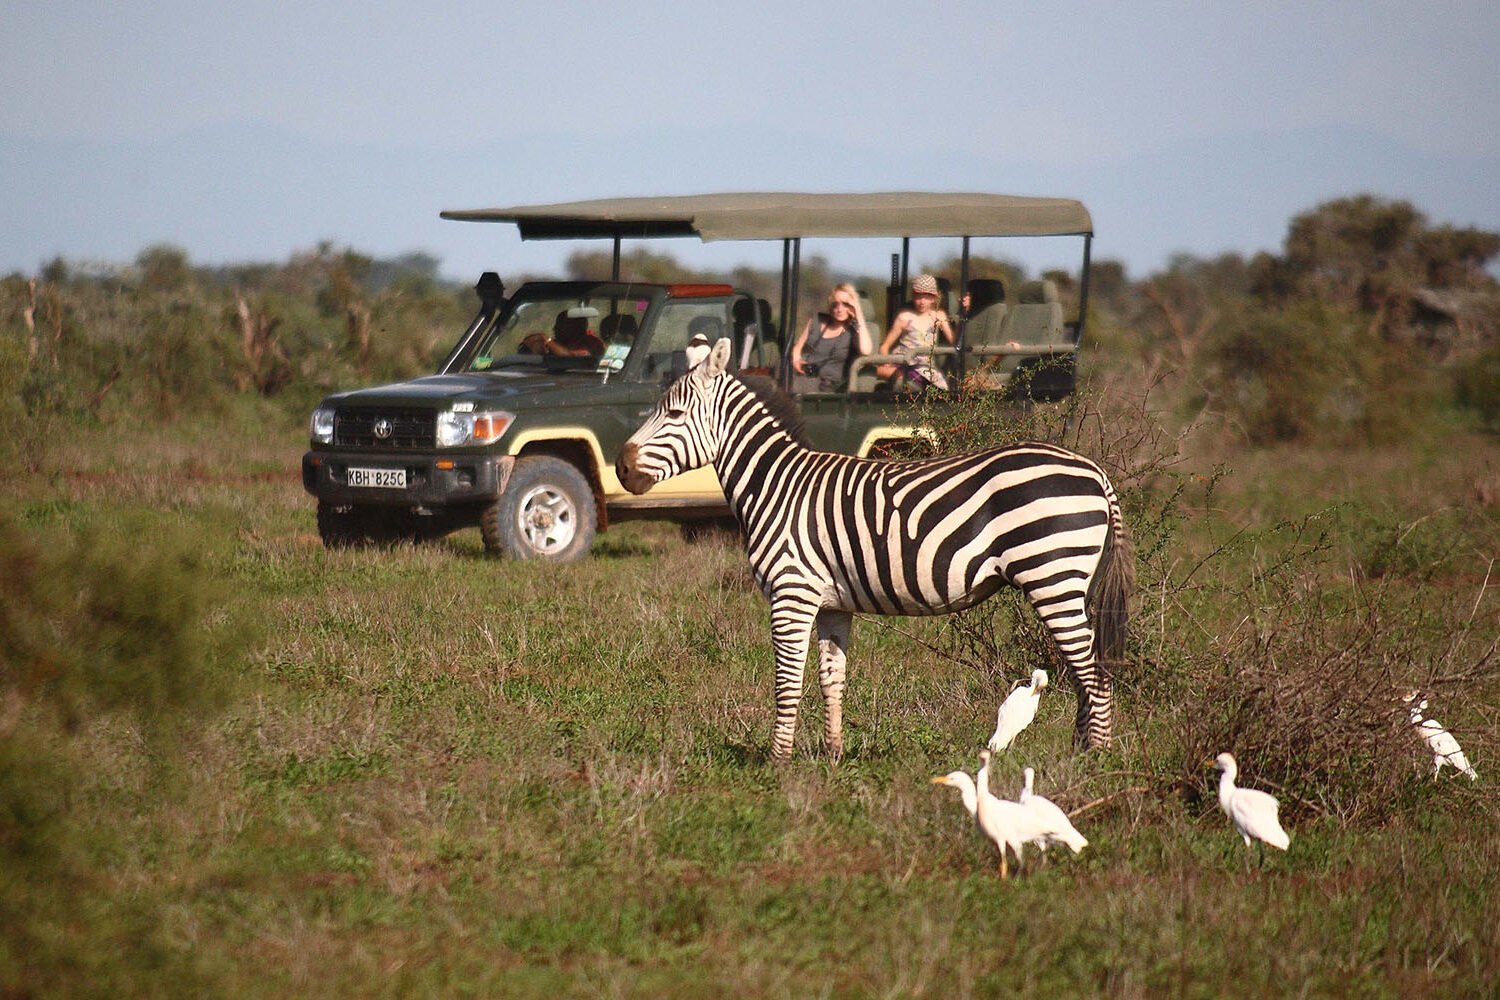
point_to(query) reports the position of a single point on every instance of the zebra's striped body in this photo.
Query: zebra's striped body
(829, 535)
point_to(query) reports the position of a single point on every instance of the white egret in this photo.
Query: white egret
(1005, 823)
(1053, 825)
(1017, 711)
(1444, 747)
(965, 786)
(1252, 812)
(1008, 824)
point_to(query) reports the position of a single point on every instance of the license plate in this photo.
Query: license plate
(389, 479)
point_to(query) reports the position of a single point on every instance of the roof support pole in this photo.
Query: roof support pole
(963, 312)
(905, 262)
(786, 285)
(1083, 287)
(789, 313)
(614, 264)
(786, 288)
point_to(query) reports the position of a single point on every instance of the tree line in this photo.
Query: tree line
(1370, 317)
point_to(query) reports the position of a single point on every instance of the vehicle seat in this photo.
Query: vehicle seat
(746, 327)
(768, 336)
(872, 318)
(1036, 320)
(619, 328)
(987, 312)
(985, 328)
(1037, 316)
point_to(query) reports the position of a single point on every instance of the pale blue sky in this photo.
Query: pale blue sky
(252, 130)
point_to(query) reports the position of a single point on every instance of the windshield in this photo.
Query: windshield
(573, 329)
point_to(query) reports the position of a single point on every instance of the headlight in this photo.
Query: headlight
(454, 430)
(321, 425)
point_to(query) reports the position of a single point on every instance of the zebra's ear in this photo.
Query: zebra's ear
(718, 359)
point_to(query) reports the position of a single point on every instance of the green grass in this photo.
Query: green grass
(440, 774)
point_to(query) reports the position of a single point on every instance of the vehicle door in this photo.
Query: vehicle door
(659, 358)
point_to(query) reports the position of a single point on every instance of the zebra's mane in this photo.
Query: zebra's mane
(783, 408)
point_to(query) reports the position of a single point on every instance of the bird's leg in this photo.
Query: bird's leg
(833, 647)
(1002, 862)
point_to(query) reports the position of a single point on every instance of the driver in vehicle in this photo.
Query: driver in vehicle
(571, 338)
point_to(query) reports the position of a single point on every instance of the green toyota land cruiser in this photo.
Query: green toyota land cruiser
(518, 431)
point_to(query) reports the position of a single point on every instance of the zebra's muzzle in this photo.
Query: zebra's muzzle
(632, 478)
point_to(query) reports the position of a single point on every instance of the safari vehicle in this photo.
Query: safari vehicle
(521, 442)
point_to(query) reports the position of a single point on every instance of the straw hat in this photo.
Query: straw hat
(924, 284)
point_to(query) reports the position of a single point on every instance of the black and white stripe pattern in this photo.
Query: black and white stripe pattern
(830, 534)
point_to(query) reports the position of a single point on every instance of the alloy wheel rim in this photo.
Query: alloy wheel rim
(547, 519)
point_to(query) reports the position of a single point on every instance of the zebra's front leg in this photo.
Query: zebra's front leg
(791, 632)
(833, 650)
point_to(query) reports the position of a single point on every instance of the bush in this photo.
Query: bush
(104, 621)
(1477, 387)
(113, 652)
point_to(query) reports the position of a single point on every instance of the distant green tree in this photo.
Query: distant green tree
(164, 268)
(1108, 283)
(1373, 255)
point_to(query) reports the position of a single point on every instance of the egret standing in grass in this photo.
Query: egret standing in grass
(1053, 825)
(965, 785)
(1006, 824)
(1017, 711)
(1252, 812)
(1444, 747)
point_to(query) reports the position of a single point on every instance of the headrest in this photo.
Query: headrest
(618, 326)
(985, 292)
(710, 327)
(1038, 291)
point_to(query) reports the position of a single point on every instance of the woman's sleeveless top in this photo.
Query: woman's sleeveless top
(830, 353)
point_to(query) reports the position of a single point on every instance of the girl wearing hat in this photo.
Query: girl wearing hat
(915, 333)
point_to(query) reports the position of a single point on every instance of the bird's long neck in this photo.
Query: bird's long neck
(1226, 788)
(969, 796)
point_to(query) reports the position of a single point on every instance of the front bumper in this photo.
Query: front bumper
(431, 480)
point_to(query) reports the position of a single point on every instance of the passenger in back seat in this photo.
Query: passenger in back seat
(915, 332)
(821, 359)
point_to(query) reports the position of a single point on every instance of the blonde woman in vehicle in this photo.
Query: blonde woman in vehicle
(915, 332)
(829, 342)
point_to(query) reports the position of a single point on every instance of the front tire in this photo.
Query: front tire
(546, 512)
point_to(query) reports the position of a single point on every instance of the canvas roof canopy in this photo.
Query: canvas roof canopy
(773, 216)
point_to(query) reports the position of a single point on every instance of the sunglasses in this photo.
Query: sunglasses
(841, 303)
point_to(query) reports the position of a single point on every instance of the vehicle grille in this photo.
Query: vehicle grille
(410, 428)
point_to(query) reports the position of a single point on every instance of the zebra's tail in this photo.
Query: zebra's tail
(1112, 586)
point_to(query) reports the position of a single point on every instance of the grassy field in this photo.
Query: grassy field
(433, 773)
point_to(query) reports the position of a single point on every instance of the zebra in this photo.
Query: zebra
(829, 535)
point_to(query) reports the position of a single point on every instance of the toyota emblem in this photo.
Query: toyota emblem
(383, 428)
